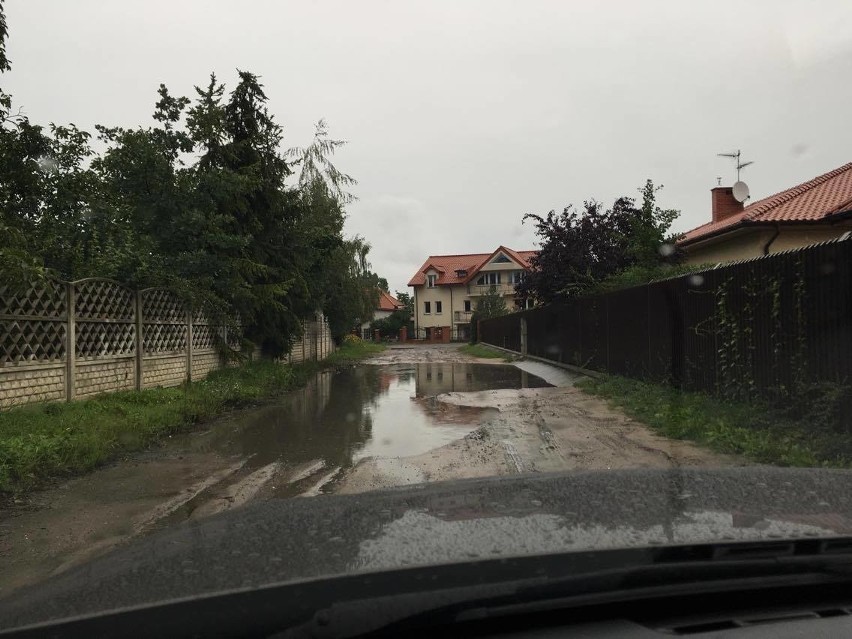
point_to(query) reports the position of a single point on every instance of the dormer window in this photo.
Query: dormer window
(430, 280)
(462, 272)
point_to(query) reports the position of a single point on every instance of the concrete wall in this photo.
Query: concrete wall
(203, 362)
(73, 340)
(165, 370)
(96, 377)
(315, 343)
(27, 384)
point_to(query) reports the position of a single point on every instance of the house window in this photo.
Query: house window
(467, 306)
(489, 278)
(524, 304)
(430, 280)
(438, 308)
(427, 308)
(500, 259)
(516, 277)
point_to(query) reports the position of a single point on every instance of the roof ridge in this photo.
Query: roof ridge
(762, 206)
(488, 253)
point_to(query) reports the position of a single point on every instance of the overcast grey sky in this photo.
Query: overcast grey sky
(463, 116)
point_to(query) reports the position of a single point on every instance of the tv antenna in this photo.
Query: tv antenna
(736, 157)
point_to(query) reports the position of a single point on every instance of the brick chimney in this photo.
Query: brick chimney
(724, 204)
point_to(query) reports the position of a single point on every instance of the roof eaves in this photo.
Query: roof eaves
(738, 226)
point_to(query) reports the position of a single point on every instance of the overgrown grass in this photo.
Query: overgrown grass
(758, 431)
(354, 351)
(481, 350)
(49, 440)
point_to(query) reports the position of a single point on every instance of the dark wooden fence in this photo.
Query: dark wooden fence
(740, 328)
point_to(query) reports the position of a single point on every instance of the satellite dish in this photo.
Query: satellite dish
(740, 190)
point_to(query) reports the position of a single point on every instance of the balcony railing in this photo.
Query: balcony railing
(482, 289)
(462, 316)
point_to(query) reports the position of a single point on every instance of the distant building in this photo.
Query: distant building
(446, 288)
(387, 305)
(812, 212)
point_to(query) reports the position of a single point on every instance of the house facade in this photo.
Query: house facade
(446, 289)
(814, 211)
(387, 304)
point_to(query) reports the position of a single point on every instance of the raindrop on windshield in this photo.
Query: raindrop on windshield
(667, 249)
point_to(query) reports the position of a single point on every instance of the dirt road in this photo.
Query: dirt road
(201, 473)
(531, 430)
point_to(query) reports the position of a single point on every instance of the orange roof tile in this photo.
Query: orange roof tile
(449, 266)
(388, 302)
(813, 201)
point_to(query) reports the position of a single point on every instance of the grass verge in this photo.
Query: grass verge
(481, 350)
(758, 431)
(48, 440)
(352, 352)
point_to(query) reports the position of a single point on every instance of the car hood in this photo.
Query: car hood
(300, 539)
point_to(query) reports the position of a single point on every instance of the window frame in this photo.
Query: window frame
(484, 279)
(427, 308)
(439, 307)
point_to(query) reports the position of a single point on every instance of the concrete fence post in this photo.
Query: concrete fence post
(524, 346)
(70, 341)
(140, 342)
(189, 343)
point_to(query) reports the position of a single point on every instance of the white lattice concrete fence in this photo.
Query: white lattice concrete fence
(67, 340)
(315, 343)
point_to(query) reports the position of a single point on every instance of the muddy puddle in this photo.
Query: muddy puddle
(303, 444)
(303, 441)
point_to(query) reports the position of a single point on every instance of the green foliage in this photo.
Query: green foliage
(390, 326)
(640, 274)
(580, 249)
(49, 440)
(198, 202)
(491, 304)
(480, 350)
(763, 431)
(352, 352)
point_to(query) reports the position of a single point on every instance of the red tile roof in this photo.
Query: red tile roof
(448, 265)
(812, 201)
(388, 302)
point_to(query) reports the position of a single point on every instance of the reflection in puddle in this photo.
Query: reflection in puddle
(434, 379)
(341, 417)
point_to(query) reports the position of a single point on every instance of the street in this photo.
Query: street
(412, 414)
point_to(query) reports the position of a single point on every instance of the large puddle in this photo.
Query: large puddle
(343, 416)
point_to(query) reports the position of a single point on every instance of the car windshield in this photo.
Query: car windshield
(299, 289)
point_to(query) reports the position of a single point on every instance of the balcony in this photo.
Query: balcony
(462, 316)
(482, 289)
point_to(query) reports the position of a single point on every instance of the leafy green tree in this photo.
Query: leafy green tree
(650, 230)
(341, 282)
(391, 325)
(407, 300)
(581, 249)
(199, 201)
(491, 304)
